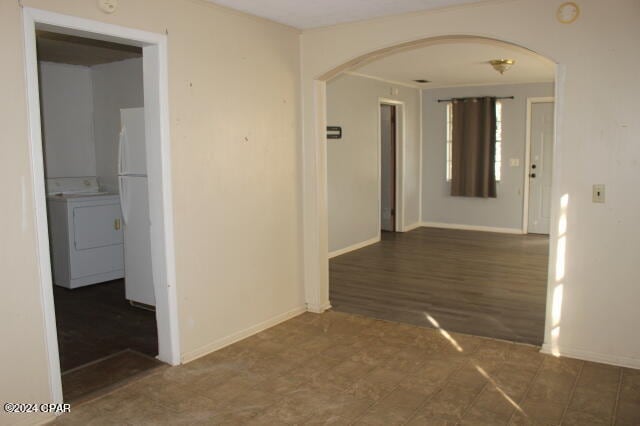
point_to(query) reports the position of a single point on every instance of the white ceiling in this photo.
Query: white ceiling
(305, 14)
(461, 63)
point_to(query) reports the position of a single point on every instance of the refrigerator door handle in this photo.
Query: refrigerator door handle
(121, 151)
(123, 198)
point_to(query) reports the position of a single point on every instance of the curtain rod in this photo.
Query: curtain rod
(499, 97)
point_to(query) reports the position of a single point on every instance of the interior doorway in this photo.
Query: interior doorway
(539, 164)
(94, 144)
(155, 123)
(388, 134)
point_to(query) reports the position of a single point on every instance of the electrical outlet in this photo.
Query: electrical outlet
(598, 193)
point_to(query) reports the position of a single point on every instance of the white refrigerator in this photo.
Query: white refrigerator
(134, 201)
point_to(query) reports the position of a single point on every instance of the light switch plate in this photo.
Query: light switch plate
(598, 193)
(514, 162)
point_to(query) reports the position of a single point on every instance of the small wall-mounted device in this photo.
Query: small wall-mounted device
(598, 193)
(108, 6)
(334, 132)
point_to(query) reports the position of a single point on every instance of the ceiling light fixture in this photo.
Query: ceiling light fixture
(422, 80)
(502, 65)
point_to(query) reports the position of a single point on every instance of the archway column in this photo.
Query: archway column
(315, 223)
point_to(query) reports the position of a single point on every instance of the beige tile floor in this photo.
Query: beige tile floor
(337, 368)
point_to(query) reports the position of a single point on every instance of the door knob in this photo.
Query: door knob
(533, 166)
(532, 175)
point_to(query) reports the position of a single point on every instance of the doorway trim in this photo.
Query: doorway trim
(399, 166)
(156, 101)
(527, 156)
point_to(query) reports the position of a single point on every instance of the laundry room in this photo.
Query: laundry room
(93, 133)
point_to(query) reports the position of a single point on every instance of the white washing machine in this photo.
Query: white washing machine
(85, 232)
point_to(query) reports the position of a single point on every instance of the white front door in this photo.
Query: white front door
(540, 166)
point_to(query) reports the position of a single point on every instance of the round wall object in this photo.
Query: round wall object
(108, 6)
(567, 12)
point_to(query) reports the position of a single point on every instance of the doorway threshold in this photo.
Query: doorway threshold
(96, 378)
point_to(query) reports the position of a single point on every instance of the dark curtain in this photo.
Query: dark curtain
(474, 148)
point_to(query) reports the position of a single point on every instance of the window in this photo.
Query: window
(498, 158)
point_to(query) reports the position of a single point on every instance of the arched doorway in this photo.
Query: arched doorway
(317, 276)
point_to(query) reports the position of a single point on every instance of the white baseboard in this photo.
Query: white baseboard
(472, 227)
(412, 227)
(243, 334)
(318, 309)
(354, 247)
(620, 361)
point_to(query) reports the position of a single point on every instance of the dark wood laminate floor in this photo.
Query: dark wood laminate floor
(479, 283)
(97, 321)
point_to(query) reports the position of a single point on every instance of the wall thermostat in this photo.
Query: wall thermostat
(567, 12)
(108, 6)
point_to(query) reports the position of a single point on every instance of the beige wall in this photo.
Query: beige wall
(234, 108)
(23, 366)
(597, 143)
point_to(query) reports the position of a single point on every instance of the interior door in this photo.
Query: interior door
(540, 167)
(388, 166)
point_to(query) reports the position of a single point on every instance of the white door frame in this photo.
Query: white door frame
(159, 171)
(527, 158)
(399, 167)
